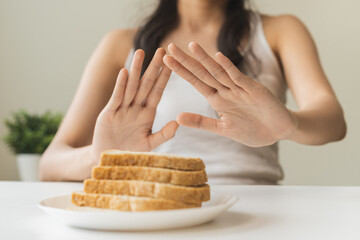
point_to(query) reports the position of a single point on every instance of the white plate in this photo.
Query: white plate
(101, 219)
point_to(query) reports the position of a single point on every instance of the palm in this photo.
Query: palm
(133, 129)
(126, 121)
(249, 112)
(256, 120)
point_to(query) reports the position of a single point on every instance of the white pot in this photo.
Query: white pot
(28, 166)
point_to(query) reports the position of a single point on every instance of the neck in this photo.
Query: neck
(198, 15)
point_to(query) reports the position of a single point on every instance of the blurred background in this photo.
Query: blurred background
(45, 44)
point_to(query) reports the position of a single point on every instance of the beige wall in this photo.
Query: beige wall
(45, 44)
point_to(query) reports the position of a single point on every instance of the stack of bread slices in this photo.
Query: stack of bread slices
(137, 181)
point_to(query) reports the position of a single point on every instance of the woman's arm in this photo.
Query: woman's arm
(104, 116)
(320, 118)
(249, 112)
(69, 157)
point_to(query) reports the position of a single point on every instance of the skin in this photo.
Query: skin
(114, 108)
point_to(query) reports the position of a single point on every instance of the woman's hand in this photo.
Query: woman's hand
(249, 112)
(126, 121)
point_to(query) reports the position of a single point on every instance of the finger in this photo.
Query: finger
(195, 67)
(215, 69)
(236, 76)
(159, 87)
(118, 92)
(134, 76)
(198, 121)
(164, 135)
(203, 88)
(149, 77)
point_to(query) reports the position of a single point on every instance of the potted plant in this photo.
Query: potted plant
(28, 137)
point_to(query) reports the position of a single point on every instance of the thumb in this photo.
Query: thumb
(198, 121)
(164, 135)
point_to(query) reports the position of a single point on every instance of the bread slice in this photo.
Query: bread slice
(150, 159)
(184, 178)
(148, 189)
(125, 203)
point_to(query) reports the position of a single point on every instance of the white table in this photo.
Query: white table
(263, 212)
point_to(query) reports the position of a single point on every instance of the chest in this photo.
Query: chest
(180, 96)
(207, 41)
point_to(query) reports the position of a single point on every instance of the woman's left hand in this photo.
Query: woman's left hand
(249, 112)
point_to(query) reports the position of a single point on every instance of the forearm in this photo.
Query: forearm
(321, 123)
(65, 163)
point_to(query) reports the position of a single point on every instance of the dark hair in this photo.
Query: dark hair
(165, 18)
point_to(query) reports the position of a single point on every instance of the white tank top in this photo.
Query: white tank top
(227, 161)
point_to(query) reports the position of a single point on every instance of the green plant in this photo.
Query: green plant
(31, 133)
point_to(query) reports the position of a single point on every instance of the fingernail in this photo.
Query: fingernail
(123, 71)
(191, 43)
(165, 57)
(139, 51)
(168, 57)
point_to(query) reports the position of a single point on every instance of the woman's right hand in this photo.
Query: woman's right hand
(126, 121)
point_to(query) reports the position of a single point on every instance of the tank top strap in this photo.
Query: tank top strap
(260, 45)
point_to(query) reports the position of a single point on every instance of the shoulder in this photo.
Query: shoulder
(282, 29)
(285, 20)
(118, 42)
(121, 34)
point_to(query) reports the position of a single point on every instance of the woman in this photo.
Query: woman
(234, 99)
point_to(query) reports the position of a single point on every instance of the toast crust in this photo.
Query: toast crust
(148, 189)
(184, 178)
(125, 203)
(150, 159)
